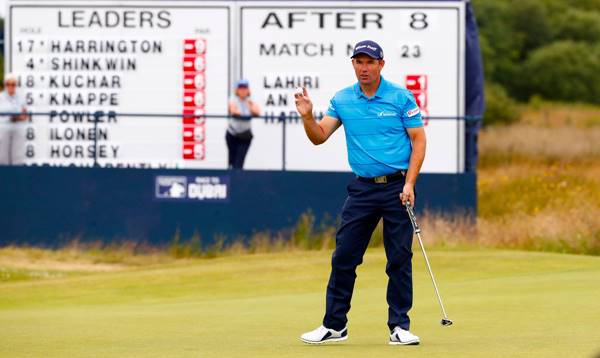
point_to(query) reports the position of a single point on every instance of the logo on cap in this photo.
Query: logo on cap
(369, 48)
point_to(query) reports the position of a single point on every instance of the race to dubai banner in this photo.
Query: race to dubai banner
(74, 58)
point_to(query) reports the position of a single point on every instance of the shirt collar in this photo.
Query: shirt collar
(378, 93)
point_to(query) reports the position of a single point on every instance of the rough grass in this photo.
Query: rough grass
(539, 181)
(560, 115)
(547, 133)
(76, 258)
(527, 143)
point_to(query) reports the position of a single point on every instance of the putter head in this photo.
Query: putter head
(446, 322)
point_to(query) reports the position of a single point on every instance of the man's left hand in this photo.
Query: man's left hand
(408, 194)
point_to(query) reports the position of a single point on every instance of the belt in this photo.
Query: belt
(399, 175)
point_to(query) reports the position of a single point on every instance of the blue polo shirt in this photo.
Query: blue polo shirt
(375, 127)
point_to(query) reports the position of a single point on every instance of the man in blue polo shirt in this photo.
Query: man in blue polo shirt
(386, 148)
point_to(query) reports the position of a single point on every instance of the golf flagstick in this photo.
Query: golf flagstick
(445, 321)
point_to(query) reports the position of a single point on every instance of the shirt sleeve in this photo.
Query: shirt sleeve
(20, 100)
(411, 114)
(331, 110)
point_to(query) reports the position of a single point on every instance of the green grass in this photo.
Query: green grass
(504, 304)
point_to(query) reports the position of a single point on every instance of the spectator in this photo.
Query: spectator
(239, 132)
(15, 114)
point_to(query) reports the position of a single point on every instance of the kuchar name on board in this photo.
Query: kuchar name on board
(84, 81)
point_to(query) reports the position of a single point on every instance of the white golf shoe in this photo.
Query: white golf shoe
(323, 335)
(402, 337)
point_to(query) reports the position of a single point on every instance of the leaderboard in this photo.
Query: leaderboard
(137, 83)
(95, 70)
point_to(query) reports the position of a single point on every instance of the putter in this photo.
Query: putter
(445, 321)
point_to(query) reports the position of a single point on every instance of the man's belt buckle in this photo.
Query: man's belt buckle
(380, 180)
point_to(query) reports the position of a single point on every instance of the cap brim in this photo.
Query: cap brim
(360, 52)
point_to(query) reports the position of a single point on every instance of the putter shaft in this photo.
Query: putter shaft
(446, 321)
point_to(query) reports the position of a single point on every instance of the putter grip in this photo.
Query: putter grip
(413, 219)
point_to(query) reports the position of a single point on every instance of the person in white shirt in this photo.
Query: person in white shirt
(239, 133)
(12, 105)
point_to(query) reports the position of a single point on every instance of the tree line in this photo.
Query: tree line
(547, 49)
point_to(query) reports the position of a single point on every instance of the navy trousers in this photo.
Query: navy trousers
(366, 204)
(238, 148)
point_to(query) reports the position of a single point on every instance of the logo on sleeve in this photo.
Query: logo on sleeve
(413, 112)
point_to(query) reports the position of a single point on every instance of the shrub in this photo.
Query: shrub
(565, 70)
(499, 107)
(577, 25)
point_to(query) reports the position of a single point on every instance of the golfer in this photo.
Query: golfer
(386, 147)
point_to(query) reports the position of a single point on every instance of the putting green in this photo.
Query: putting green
(503, 303)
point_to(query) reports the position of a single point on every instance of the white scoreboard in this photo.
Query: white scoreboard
(74, 58)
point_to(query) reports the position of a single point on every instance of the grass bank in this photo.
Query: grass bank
(539, 181)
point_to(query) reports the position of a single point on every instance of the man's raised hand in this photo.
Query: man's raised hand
(304, 105)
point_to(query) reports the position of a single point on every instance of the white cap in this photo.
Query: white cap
(10, 77)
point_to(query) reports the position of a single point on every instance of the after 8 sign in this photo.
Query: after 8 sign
(289, 44)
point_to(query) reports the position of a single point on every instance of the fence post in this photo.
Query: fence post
(97, 114)
(283, 119)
